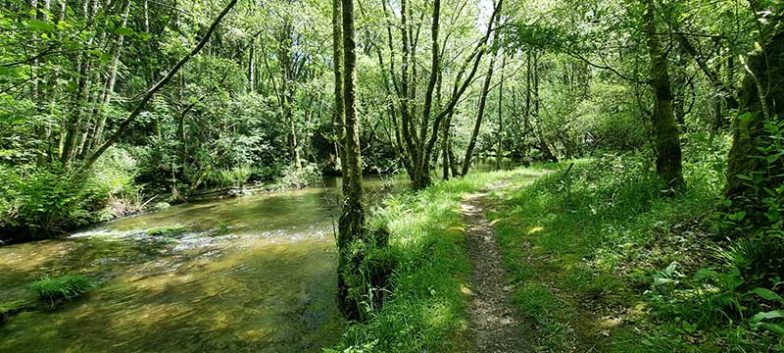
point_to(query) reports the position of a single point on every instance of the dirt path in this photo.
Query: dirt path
(495, 328)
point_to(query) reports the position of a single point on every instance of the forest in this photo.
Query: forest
(357, 176)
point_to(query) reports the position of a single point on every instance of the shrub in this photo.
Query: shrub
(49, 200)
(234, 177)
(115, 172)
(52, 290)
(294, 178)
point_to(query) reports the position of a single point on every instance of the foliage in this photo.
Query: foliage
(427, 310)
(599, 258)
(42, 202)
(299, 177)
(50, 200)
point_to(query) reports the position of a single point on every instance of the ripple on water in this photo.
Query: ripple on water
(268, 285)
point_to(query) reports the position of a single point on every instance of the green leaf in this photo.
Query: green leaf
(737, 216)
(40, 26)
(689, 328)
(776, 328)
(767, 315)
(704, 274)
(124, 31)
(767, 294)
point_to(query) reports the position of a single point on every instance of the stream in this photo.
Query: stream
(250, 274)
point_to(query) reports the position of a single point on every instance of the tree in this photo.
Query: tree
(665, 127)
(420, 128)
(154, 89)
(749, 170)
(351, 227)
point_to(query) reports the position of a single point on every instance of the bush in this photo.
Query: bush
(49, 200)
(39, 202)
(115, 172)
(235, 177)
(295, 178)
(8, 197)
(52, 290)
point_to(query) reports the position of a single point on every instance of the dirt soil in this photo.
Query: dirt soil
(495, 327)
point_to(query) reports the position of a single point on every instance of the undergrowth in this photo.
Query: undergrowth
(427, 310)
(601, 260)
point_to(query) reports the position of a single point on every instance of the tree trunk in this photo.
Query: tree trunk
(80, 98)
(761, 101)
(445, 146)
(339, 116)
(111, 81)
(665, 127)
(351, 227)
(500, 146)
(479, 116)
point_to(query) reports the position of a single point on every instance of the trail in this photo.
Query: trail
(493, 323)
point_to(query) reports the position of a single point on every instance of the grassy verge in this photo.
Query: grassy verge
(428, 308)
(601, 262)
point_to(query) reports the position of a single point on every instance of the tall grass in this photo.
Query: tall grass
(601, 260)
(427, 310)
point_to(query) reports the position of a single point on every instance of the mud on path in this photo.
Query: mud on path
(494, 326)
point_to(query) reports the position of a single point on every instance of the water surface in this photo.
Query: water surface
(252, 274)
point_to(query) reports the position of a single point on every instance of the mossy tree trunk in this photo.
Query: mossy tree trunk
(665, 127)
(351, 227)
(761, 102)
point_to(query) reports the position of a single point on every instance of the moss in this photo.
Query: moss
(10, 308)
(172, 231)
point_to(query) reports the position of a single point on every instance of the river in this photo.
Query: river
(250, 274)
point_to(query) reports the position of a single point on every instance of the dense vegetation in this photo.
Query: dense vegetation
(663, 220)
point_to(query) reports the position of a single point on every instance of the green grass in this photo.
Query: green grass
(583, 250)
(171, 231)
(428, 310)
(51, 290)
(599, 260)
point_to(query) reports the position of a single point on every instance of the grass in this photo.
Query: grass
(52, 290)
(589, 254)
(172, 231)
(428, 310)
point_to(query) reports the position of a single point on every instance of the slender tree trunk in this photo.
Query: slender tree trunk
(479, 116)
(351, 227)
(80, 98)
(110, 82)
(458, 90)
(252, 66)
(422, 168)
(500, 142)
(339, 115)
(666, 133)
(445, 146)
